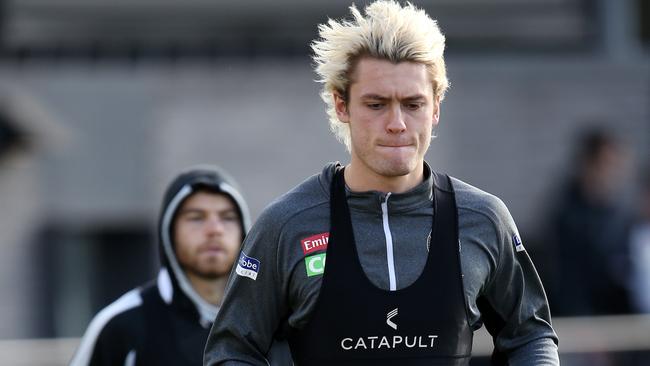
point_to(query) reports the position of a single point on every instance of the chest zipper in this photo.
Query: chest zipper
(392, 281)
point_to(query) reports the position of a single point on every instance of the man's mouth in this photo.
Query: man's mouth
(396, 146)
(211, 249)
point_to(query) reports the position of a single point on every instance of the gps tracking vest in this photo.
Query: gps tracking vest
(356, 323)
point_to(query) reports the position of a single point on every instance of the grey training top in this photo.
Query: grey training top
(493, 262)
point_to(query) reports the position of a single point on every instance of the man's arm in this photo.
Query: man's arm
(513, 304)
(251, 311)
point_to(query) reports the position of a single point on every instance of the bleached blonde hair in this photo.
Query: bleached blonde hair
(387, 31)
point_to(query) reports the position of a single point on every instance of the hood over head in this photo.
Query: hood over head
(173, 284)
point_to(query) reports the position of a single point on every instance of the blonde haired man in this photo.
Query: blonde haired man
(383, 261)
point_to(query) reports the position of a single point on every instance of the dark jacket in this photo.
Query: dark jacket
(164, 322)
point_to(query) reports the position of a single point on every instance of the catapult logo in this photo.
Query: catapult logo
(392, 342)
(391, 314)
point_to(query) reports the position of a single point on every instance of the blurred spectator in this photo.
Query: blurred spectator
(203, 221)
(589, 230)
(640, 249)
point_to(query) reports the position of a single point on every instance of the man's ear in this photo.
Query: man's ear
(341, 108)
(436, 111)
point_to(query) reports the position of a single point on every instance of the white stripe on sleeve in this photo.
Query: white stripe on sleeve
(128, 301)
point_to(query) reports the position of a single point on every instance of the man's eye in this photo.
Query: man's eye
(414, 106)
(374, 105)
(230, 218)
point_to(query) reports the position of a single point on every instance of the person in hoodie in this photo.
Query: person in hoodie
(383, 261)
(202, 223)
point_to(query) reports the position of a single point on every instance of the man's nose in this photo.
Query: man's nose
(215, 225)
(396, 122)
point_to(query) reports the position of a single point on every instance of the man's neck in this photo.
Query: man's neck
(362, 180)
(211, 290)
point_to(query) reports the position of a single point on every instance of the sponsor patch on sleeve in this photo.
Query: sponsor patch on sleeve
(315, 264)
(315, 243)
(247, 266)
(519, 246)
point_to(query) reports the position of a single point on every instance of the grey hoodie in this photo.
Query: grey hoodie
(501, 285)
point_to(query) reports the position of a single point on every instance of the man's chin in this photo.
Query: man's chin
(395, 169)
(207, 274)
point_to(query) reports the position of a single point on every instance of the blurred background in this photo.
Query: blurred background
(103, 102)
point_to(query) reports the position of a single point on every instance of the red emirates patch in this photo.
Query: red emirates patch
(315, 243)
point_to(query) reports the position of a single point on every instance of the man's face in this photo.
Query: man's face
(207, 234)
(391, 110)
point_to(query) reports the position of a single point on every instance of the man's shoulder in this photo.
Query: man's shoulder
(115, 324)
(470, 199)
(310, 195)
(120, 314)
(126, 316)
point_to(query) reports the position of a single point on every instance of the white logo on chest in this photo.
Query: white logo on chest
(391, 314)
